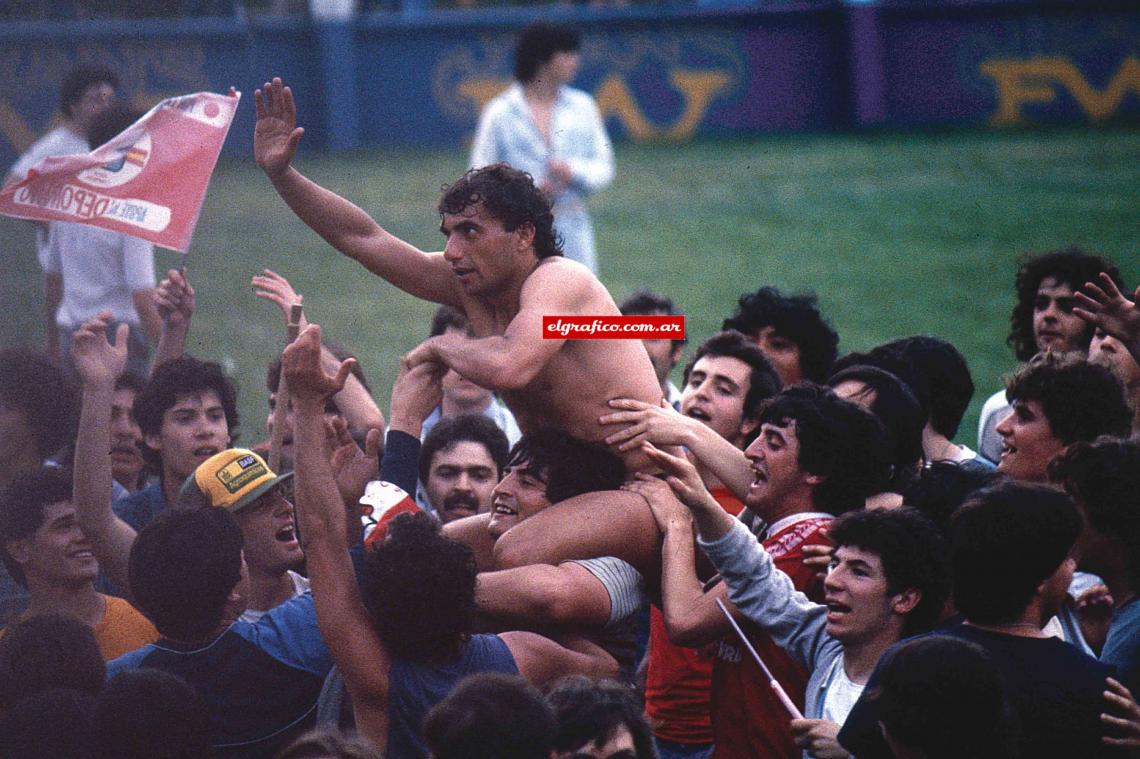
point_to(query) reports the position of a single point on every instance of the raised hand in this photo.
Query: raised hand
(271, 286)
(96, 360)
(1103, 305)
(276, 134)
(352, 467)
(417, 391)
(301, 366)
(644, 422)
(175, 299)
(682, 477)
(1123, 716)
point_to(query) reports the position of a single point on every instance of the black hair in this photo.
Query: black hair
(474, 428)
(590, 712)
(930, 688)
(913, 554)
(22, 506)
(130, 381)
(568, 466)
(1081, 401)
(107, 125)
(942, 486)
(175, 379)
(1103, 477)
(1072, 266)
(511, 197)
(76, 82)
(49, 650)
(795, 317)
(648, 303)
(1004, 541)
(940, 378)
(182, 568)
(449, 317)
(838, 440)
(34, 385)
(323, 743)
(538, 43)
(491, 715)
(429, 619)
(56, 723)
(763, 381)
(897, 408)
(151, 714)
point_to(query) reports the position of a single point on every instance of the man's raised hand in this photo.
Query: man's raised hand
(669, 512)
(96, 360)
(682, 476)
(1103, 305)
(276, 134)
(417, 391)
(271, 286)
(301, 366)
(175, 299)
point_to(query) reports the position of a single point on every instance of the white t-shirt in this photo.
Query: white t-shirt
(59, 141)
(300, 585)
(100, 270)
(842, 693)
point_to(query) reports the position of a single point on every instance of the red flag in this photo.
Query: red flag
(148, 182)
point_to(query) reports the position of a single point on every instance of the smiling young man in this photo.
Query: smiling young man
(1056, 401)
(887, 580)
(46, 551)
(1043, 319)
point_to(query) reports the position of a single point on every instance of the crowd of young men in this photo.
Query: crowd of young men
(766, 541)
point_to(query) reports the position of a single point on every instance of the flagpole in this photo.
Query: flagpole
(775, 685)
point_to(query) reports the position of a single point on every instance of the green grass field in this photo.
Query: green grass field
(898, 234)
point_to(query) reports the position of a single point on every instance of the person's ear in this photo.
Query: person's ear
(747, 426)
(904, 603)
(20, 550)
(526, 236)
(815, 480)
(153, 442)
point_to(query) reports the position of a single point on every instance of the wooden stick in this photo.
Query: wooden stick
(281, 406)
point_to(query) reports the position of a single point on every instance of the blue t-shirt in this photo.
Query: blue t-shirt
(260, 681)
(414, 688)
(1122, 647)
(138, 509)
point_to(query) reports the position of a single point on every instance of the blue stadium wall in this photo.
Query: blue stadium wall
(387, 78)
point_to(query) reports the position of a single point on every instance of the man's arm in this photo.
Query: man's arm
(663, 426)
(354, 644)
(341, 223)
(147, 309)
(354, 402)
(541, 660)
(511, 360)
(176, 304)
(1103, 305)
(99, 363)
(542, 595)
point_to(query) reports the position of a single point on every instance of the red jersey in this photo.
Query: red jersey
(678, 679)
(748, 720)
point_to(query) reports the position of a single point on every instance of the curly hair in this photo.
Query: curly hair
(913, 554)
(845, 444)
(591, 712)
(22, 507)
(570, 467)
(1072, 266)
(419, 588)
(795, 317)
(508, 195)
(538, 43)
(176, 379)
(1082, 401)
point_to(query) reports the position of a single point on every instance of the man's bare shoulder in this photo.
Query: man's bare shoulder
(560, 278)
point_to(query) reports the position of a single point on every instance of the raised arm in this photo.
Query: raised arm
(99, 363)
(354, 644)
(341, 223)
(175, 299)
(1103, 305)
(511, 360)
(354, 402)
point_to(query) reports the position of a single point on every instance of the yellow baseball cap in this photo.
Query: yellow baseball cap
(232, 480)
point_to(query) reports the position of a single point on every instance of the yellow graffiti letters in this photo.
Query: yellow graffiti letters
(1036, 80)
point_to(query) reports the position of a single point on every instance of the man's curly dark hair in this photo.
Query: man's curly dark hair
(510, 196)
(795, 317)
(1072, 266)
(1081, 401)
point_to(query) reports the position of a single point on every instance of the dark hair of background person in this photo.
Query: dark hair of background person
(448, 317)
(1004, 541)
(538, 43)
(913, 554)
(1072, 266)
(34, 385)
(568, 466)
(940, 378)
(55, 723)
(590, 711)
(1081, 401)
(838, 440)
(648, 303)
(49, 650)
(328, 744)
(339, 352)
(473, 428)
(491, 716)
(942, 486)
(897, 408)
(22, 507)
(795, 317)
(151, 714)
(108, 124)
(76, 82)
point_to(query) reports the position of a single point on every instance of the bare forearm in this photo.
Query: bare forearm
(354, 402)
(149, 317)
(722, 458)
(171, 343)
(683, 603)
